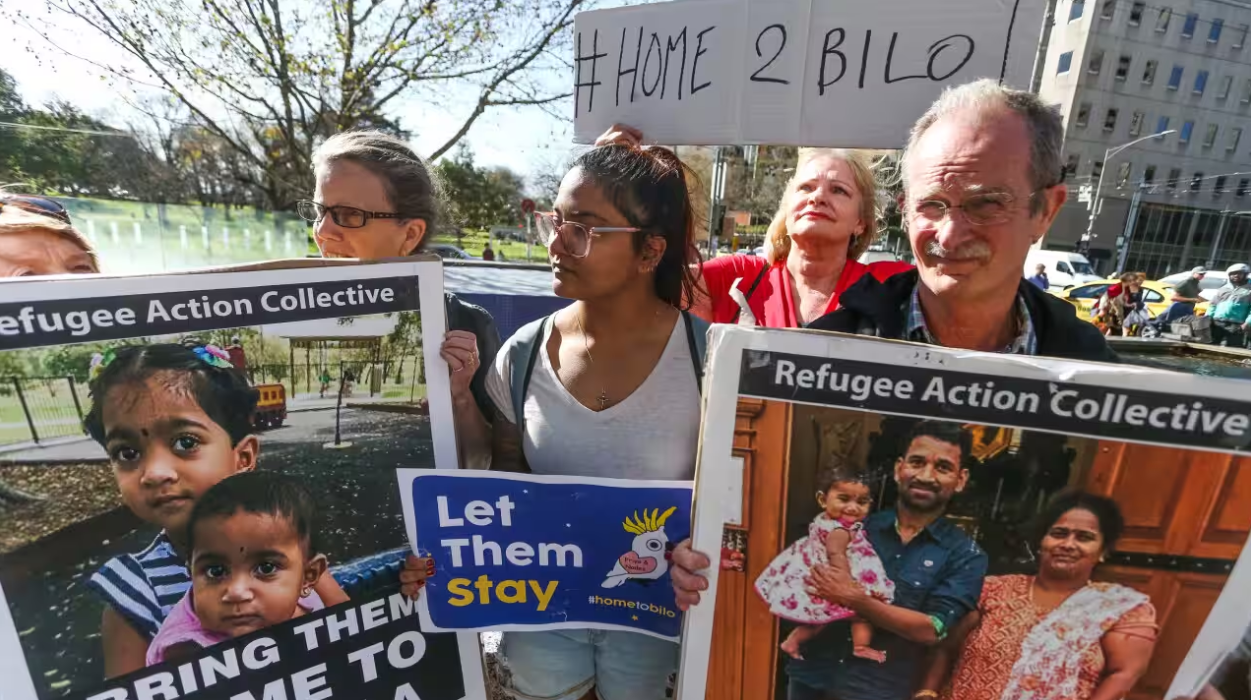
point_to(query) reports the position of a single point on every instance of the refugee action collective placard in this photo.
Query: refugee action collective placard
(524, 552)
(799, 72)
(876, 428)
(198, 485)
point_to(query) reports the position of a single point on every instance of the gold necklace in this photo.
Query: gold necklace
(603, 393)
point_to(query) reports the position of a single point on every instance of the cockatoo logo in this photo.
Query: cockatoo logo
(647, 559)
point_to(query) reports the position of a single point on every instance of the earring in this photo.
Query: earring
(305, 592)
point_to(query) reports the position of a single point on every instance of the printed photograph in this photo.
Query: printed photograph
(961, 560)
(160, 495)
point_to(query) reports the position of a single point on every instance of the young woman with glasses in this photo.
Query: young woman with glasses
(375, 199)
(606, 387)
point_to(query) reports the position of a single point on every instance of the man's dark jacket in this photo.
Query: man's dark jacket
(870, 307)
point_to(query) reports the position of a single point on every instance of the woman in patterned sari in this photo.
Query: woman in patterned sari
(1057, 635)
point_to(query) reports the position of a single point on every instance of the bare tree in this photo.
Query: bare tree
(270, 78)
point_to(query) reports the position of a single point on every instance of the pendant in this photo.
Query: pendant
(603, 399)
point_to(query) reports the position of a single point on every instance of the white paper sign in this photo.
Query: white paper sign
(802, 72)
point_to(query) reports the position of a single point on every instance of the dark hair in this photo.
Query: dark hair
(260, 493)
(842, 475)
(649, 187)
(1105, 510)
(222, 393)
(950, 433)
(411, 188)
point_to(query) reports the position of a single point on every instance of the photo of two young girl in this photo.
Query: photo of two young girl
(164, 494)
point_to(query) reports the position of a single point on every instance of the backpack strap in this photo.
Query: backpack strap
(522, 356)
(697, 340)
(750, 290)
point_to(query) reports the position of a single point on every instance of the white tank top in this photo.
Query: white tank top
(651, 434)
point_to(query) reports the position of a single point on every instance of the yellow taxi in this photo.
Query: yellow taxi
(1156, 294)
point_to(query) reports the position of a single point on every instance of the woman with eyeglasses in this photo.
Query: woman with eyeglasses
(607, 387)
(37, 238)
(375, 199)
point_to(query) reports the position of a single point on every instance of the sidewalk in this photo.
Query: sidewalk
(75, 449)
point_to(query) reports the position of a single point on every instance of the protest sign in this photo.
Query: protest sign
(525, 552)
(799, 72)
(815, 434)
(125, 402)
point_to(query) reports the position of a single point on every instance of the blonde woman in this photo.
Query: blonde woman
(826, 220)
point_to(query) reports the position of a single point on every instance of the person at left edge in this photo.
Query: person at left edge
(37, 238)
(827, 219)
(376, 199)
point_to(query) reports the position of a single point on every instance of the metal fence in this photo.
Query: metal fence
(36, 409)
(400, 379)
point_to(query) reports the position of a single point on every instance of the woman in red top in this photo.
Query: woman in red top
(826, 220)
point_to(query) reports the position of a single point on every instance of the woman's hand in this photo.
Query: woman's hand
(687, 584)
(413, 575)
(620, 135)
(460, 350)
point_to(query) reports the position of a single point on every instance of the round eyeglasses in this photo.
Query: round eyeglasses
(979, 209)
(575, 237)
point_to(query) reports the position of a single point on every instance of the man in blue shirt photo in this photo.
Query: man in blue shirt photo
(936, 568)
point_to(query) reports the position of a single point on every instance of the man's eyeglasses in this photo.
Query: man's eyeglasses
(35, 205)
(575, 237)
(979, 209)
(347, 217)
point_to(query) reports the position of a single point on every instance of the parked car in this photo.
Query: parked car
(1064, 269)
(1155, 293)
(1211, 282)
(450, 252)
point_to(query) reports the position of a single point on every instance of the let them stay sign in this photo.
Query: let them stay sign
(803, 72)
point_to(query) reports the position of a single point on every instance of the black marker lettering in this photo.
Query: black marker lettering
(826, 51)
(660, 65)
(864, 58)
(578, 84)
(671, 45)
(699, 51)
(890, 59)
(937, 48)
(756, 77)
(632, 72)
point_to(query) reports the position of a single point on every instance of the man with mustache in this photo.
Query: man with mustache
(936, 568)
(982, 183)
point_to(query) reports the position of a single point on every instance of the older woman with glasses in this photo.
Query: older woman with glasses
(37, 238)
(375, 199)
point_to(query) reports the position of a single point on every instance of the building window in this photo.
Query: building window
(1122, 68)
(1109, 120)
(1196, 181)
(1188, 29)
(1174, 177)
(1122, 174)
(1083, 114)
(1235, 135)
(1161, 21)
(1109, 9)
(1148, 175)
(1214, 34)
(1209, 136)
(1201, 82)
(1227, 83)
(1135, 123)
(1076, 9)
(1148, 73)
(1243, 183)
(1174, 78)
(1161, 125)
(1095, 64)
(1096, 169)
(1066, 62)
(1246, 92)
(1187, 129)
(1218, 187)
(1070, 166)
(1135, 13)
(1240, 36)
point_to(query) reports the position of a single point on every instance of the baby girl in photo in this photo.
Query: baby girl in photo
(253, 561)
(835, 537)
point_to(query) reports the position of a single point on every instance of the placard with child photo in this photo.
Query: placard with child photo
(207, 471)
(917, 523)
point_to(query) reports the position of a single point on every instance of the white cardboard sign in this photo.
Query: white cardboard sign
(843, 73)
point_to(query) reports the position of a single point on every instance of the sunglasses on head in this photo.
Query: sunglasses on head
(35, 205)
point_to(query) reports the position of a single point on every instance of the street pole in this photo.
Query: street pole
(1095, 202)
(1130, 222)
(714, 198)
